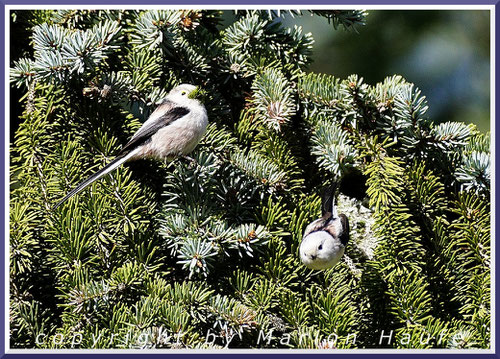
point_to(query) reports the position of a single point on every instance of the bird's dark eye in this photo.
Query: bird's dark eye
(183, 93)
(320, 247)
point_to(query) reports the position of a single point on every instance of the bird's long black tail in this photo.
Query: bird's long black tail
(102, 172)
(329, 198)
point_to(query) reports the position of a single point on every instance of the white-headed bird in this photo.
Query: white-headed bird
(172, 130)
(325, 239)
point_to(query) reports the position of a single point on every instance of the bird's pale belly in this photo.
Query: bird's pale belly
(171, 141)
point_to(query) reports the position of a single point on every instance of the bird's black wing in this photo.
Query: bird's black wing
(319, 224)
(167, 112)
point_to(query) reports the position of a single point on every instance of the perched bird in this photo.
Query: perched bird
(325, 239)
(173, 129)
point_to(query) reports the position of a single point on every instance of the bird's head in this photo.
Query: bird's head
(319, 250)
(186, 92)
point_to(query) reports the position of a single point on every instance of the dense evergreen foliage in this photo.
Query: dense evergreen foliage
(204, 253)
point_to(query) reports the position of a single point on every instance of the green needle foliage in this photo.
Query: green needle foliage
(203, 253)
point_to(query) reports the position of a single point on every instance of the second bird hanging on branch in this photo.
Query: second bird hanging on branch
(325, 239)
